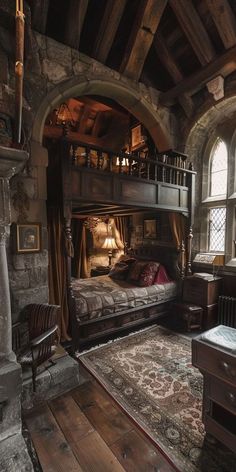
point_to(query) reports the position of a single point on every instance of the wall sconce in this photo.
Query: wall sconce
(110, 244)
(64, 118)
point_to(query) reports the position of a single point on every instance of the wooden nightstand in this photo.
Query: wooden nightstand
(203, 290)
(96, 271)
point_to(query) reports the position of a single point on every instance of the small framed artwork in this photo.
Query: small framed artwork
(28, 237)
(136, 137)
(150, 229)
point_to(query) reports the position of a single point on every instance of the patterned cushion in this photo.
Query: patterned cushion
(162, 277)
(148, 274)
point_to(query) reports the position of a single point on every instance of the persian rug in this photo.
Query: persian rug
(151, 376)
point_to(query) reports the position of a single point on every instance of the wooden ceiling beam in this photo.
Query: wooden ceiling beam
(56, 132)
(223, 65)
(194, 29)
(175, 73)
(74, 22)
(108, 28)
(141, 37)
(39, 15)
(224, 19)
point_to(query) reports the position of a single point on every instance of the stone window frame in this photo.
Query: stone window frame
(213, 202)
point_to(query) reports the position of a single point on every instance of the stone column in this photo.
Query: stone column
(11, 162)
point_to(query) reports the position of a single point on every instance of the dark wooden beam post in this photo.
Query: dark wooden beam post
(19, 68)
(194, 29)
(141, 37)
(223, 65)
(39, 15)
(74, 22)
(108, 28)
(191, 205)
(224, 19)
(168, 61)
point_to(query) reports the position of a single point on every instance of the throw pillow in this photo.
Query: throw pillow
(162, 277)
(119, 271)
(148, 274)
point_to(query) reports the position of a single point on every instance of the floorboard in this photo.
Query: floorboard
(85, 430)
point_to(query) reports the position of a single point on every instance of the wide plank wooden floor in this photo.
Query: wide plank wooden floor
(85, 430)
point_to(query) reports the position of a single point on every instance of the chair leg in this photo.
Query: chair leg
(34, 373)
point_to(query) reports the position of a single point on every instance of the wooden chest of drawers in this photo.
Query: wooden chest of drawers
(203, 291)
(217, 362)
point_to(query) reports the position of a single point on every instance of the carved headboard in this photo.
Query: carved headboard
(167, 256)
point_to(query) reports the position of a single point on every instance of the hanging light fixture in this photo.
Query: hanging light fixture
(65, 118)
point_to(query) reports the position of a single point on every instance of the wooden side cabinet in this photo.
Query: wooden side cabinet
(204, 290)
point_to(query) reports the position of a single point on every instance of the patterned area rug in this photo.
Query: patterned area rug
(150, 375)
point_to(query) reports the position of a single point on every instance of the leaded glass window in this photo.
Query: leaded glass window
(219, 169)
(217, 225)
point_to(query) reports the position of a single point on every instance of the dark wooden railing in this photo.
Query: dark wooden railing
(169, 166)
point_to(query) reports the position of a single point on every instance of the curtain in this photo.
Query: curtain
(121, 223)
(79, 262)
(58, 269)
(177, 225)
(178, 229)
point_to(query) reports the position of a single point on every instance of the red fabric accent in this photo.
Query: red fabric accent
(148, 274)
(161, 276)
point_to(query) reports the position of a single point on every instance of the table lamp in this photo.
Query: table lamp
(110, 244)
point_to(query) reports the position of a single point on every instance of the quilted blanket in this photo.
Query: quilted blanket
(99, 296)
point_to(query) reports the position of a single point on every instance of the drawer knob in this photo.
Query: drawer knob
(229, 370)
(225, 366)
(231, 397)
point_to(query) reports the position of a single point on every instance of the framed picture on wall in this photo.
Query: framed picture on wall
(150, 229)
(27, 237)
(136, 137)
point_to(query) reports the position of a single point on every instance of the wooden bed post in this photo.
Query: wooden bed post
(69, 253)
(191, 204)
(182, 259)
(189, 252)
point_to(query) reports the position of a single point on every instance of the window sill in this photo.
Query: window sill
(219, 199)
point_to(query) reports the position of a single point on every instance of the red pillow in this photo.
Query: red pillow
(148, 274)
(161, 276)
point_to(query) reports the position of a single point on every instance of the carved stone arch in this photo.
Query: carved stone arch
(131, 98)
(213, 123)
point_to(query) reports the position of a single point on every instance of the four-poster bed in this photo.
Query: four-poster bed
(87, 177)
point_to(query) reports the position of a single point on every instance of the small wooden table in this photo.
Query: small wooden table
(96, 271)
(191, 314)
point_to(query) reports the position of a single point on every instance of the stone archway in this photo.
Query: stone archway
(135, 100)
(200, 138)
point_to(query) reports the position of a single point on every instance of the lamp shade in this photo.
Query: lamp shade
(109, 243)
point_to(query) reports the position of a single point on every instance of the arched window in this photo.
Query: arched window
(218, 189)
(219, 169)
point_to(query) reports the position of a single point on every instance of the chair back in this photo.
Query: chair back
(41, 317)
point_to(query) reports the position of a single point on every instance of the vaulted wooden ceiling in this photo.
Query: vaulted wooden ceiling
(176, 46)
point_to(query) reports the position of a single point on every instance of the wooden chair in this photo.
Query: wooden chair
(42, 326)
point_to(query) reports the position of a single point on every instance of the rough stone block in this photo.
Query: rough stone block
(38, 276)
(53, 380)
(14, 456)
(21, 298)
(10, 381)
(58, 52)
(27, 261)
(54, 71)
(19, 279)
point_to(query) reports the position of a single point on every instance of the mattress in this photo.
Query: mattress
(100, 296)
